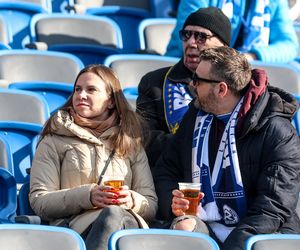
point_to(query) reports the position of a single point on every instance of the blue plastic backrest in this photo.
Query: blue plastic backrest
(152, 21)
(113, 243)
(128, 19)
(34, 236)
(18, 15)
(8, 196)
(110, 59)
(20, 137)
(276, 240)
(55, 93)
(36, 18)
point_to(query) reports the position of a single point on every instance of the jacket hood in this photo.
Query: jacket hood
(262, 102)
(63, 124)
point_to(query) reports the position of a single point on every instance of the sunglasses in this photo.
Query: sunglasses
(201, 37)
(196, 80)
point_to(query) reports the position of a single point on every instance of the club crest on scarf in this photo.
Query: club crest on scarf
(176, 101)
(224, 199)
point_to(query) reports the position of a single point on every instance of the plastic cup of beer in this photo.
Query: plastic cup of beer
(191, 192)
(114, 181)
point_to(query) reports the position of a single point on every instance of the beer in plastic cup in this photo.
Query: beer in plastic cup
(191, 192)
(115, 181)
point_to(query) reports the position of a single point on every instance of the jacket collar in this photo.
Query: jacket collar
(63, 124)
(180, 73)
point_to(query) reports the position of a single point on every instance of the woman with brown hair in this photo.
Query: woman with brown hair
(94, 133)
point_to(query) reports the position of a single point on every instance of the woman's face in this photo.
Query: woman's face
(90, 98)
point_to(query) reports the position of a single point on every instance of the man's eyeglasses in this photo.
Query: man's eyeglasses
(201, 37)
(196, 80)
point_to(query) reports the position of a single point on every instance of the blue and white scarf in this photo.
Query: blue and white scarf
(176, 100)
(224, 200)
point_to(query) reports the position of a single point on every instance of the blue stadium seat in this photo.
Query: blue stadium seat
(128, 19)
(34, 237)
(17, 16)
(160, 239)
(155, 34)
(55, 93)
(21, 143)
(90, 38)
(28, 65)
(8, 196)
(273, 242)
(131, 67)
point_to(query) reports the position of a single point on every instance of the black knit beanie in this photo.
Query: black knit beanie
(213, 19)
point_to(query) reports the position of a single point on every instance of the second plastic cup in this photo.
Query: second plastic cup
(191, 192)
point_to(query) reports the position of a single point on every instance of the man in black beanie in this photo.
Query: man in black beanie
(164, 94)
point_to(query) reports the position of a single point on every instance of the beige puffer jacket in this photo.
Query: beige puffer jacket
(67, 165)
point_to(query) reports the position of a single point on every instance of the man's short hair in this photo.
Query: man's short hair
(229, 66)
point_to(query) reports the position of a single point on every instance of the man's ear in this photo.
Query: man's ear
(222, 89)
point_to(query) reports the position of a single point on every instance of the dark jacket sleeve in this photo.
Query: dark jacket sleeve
(174, 165)
(277, 186)
(150, 107)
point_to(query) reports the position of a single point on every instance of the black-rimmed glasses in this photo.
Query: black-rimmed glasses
(201, 37)
(196, 80)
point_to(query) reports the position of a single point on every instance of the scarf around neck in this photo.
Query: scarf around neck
(224, 201)
(95, 127)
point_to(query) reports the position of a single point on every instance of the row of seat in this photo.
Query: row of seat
(36, 237)
(119, 29)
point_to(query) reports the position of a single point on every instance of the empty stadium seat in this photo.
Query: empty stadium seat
(284, 76)
(8, 197)
(131, 67)
(155, 34)
(22, 116)
(90, 38)
(55, 93)
(27, 65)
(160, 239)
(37, 237)
(17, 16)
(128, 20)
(273, 242)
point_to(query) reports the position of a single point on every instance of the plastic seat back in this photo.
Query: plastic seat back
(28, 65)
(131, 68)
(155, 34)
(18, 15)
(20, 140)
(54, 29)
(23, 106)
(36, 237)
(8, 196)
(284, 76)
(55, 94)
(160, 239)
(273, 241)
(128, 20)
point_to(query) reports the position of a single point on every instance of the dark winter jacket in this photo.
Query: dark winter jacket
(268, 150)
(151, 107)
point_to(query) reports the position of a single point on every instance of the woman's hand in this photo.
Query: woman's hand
(125, 199)
(103, 196)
